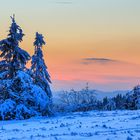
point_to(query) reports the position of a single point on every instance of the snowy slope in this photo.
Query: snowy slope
(110, 125)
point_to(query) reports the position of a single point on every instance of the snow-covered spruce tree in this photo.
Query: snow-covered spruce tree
(41, 76)
(119, 101)
(14, 58)
(136, 97)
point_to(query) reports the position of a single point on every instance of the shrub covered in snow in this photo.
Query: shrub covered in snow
(7, 109)
(71, 101)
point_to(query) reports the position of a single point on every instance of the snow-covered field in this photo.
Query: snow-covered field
(94, 125)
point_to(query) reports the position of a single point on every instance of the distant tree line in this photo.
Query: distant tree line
(86, 100)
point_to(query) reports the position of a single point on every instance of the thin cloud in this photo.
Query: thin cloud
(64, 2)
(88, 61)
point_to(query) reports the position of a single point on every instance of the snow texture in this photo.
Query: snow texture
(93, 125)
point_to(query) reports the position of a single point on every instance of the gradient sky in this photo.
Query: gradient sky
(95, 41)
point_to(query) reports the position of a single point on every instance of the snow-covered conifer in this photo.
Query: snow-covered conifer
(41, 76)
(20, 96)
(136, 96)
(14, 58)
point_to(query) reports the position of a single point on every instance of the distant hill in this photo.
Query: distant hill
(101, 94)
(98, 93)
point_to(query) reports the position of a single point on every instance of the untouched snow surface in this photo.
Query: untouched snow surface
(94, 125)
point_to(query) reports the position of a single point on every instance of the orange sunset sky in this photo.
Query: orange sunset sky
(95, 41)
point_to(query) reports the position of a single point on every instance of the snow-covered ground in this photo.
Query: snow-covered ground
(94, 125)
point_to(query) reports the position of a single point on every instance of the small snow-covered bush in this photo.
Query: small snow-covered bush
(7, 109)
(22, 112)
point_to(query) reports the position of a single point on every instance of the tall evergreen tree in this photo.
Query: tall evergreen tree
(39, 69)
(136, 97)
(14, 58)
